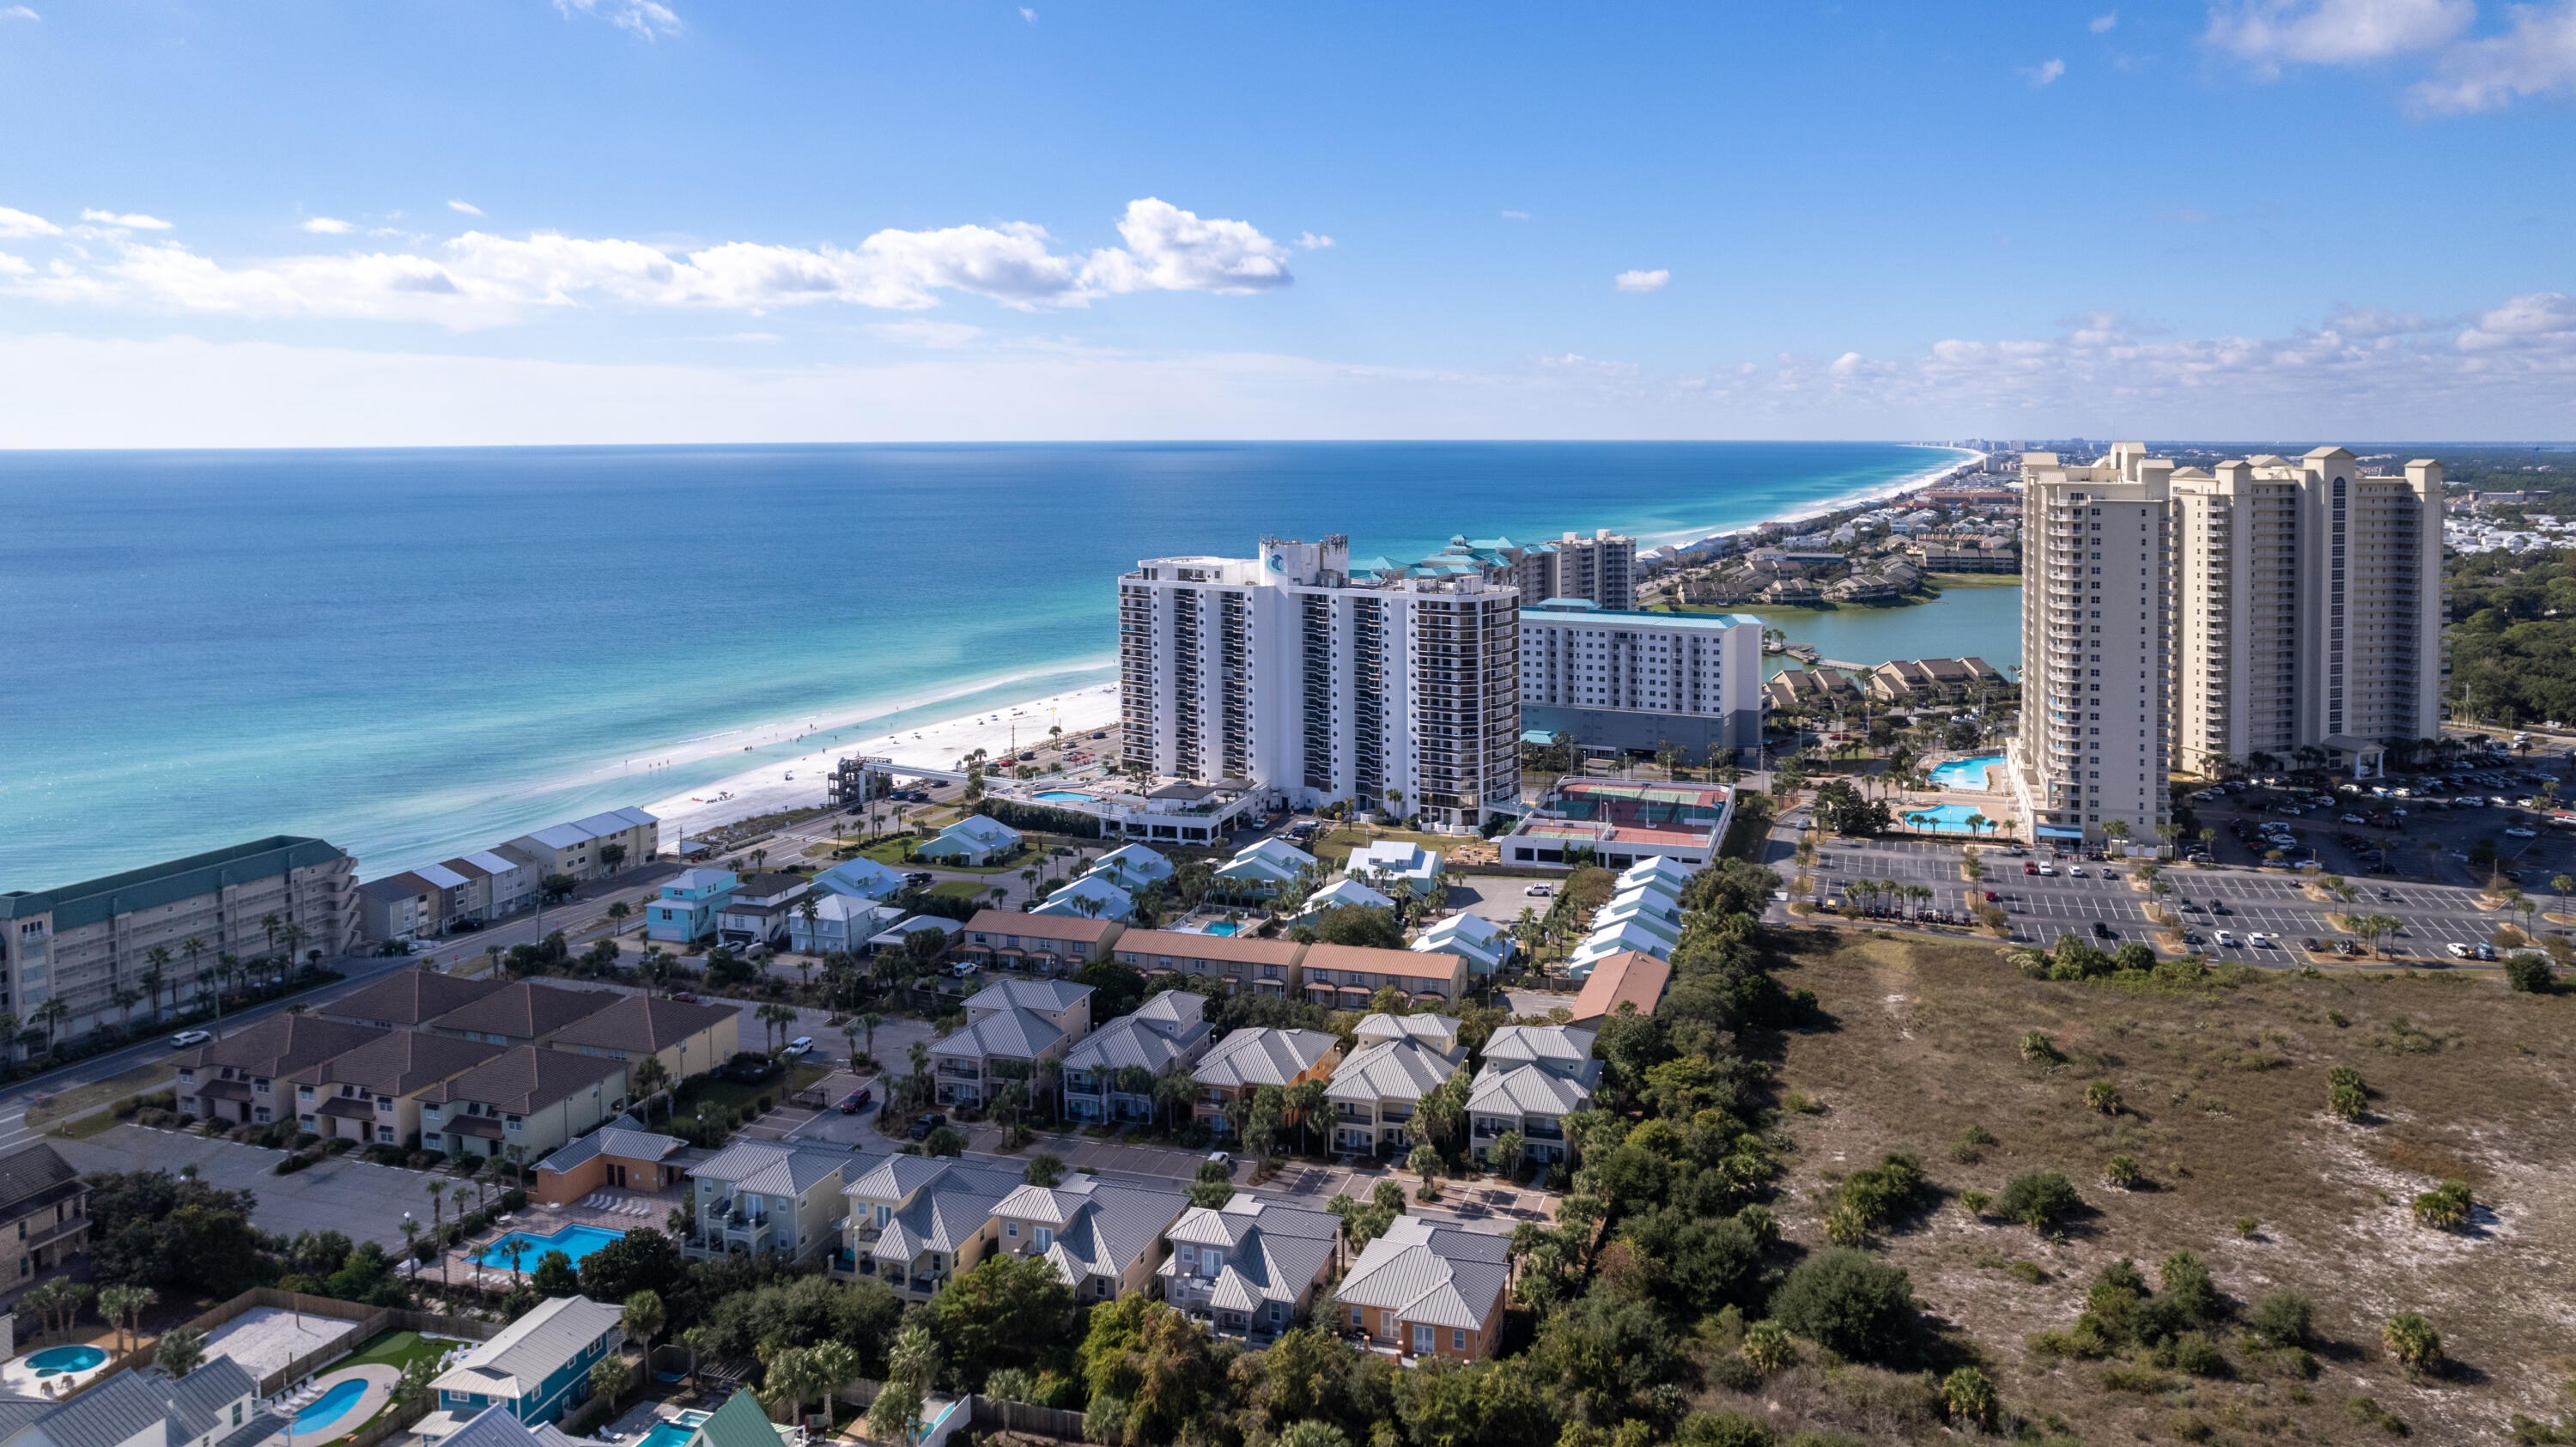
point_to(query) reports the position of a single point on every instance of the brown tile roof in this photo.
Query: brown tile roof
(642, 1024)
(526, 1010)
(1629, 977)
(524, 1078)
(1428, 966)
(280, 1045)
(409, 998)
(399, 1063)
(1182, 945)
(1039, 926)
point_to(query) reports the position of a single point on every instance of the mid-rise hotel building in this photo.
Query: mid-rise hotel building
(1285, 672)
(1626, 680)
(2180, 618)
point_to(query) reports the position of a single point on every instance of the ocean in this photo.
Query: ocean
(416, 652)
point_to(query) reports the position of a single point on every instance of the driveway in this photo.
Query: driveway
(358, 1198)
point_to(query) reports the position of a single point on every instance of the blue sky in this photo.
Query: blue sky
(246, 223)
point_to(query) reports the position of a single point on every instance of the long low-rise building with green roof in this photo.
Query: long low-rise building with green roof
(86, 945)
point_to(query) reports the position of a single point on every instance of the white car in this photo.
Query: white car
(1541, 891)
(2500, 801)
(2259, 940)
(2075, 871)
(2353, 819)
(2459, 951)
(2048, 869)
(2518, 832)
(189, 1039)
(2225, 940)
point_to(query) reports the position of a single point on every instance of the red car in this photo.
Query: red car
(856, 1101)
(684, 997)
(2030, 868)
(1990, 896)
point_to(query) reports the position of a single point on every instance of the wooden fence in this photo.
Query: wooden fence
(992, 1416)
(366, 1322)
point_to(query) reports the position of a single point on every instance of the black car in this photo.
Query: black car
(465, 926)
(2219, 906)
(2102, 931)
(923, 1125)
(919, 877)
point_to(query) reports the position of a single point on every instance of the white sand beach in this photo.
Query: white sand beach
(799, 782)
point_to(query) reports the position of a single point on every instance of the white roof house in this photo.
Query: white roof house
(1662, 926)
(517, 1364)
(1375, 1092)
(1165, 1034)
(1248, 1266)
(1656, 867)
(1559, 1049)
(1418, 868)
(1483, 944)
(1097, 1237)
(1440, 1032)
(1132, 867)
(975, 839)
(860, 878)
(1266, 862)
(1260, 1055)
(1093, 896)
(1346, 892)
(1421, 1274)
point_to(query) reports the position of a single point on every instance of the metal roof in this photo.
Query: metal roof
(1262, 1056)
(144, 1409)
(91, 901)
(767, 1168)
(1526, 1090)
(1392, 1070)
(1011, 1034)
(1047, 995)
(519, 1359)
(1429, 1274)
(619, 1142)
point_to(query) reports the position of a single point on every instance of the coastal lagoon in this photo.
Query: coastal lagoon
(416, 652)
(1977, 619)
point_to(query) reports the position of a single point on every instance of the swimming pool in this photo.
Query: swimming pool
(54, 1361)
(573, 1241)
(330, 1407)
(1221, 927)
(1965, 773)
(1949, 819)
(1061, 796)
(673, 1433)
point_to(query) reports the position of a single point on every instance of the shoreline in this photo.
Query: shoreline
(766, 787)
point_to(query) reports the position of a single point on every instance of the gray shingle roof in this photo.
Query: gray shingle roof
(410, 997)
(1100, 1230)
(32, 1171)
(279, 1045)
(1263, 1056)
(894, 1178)
(526, 1010)
(643, 1024)
(523, 1078)
(399, 1063)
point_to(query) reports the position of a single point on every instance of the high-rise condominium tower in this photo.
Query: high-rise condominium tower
(2309, 611)
(1282, 671)
(2182, 618)
(1602, 567)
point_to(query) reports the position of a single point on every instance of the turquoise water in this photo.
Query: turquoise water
(417, 652)
(573, 1241)
(53, 1361)
(1965, 773)
(1947, 819)
(1963, 623)
(668, 1434)
(330, 1407)
(1061, 795)
(1221, 927)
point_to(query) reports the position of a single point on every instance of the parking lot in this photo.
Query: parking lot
(356, 1197)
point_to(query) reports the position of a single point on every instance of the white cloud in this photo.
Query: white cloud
(2536, 57)
(466, 207)
(326, 226)
(13, 265)
(17, 225)
(1169, 249)
(1309, 241)
(1643, 281)
(18, 12)
(1515, 216)
(134, 220)
(1028, 15)
(2273, 33)
(2104, 23)
(642, 17)
(479, 279)
(923, 332)
(2044, 73)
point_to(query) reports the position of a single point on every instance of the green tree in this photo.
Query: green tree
(643, 1317)
(1006, 1312)
(2039, 1199)
(1044, 1169)
(612, 1377)
(1846, 1301)
(2413, 1341)
(181, 1351)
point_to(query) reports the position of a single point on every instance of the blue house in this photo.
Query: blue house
(975, 839)
(688, 905)
(860, 878)
(538, 1366)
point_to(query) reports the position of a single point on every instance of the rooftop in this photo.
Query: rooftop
(524, 1077)
(525, 1010)
(93, 900)
(643, 1025)
(410, 997)
(527, 1351)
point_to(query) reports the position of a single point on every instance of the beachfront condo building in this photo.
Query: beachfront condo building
(2308, 611)
(2176, 617)
(88, 945)
(1287, 673)
(1602, 568)
(2096, 646)
(1617, 679)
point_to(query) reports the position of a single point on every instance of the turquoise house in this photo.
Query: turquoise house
(688, 905)
(538, 1366)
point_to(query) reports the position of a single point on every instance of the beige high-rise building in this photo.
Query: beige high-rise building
(2268, 610)
(2096, 646)
(2309, 611)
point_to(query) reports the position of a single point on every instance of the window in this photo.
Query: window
(1457, 1340)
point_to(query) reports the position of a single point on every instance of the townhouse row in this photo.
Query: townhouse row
(489, 884)
(466, 1066)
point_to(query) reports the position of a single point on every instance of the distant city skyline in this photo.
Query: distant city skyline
(517, 221)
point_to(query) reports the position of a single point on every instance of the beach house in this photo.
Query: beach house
(860, 878)
(218, 1402)
(1249, 1268)
(1254, 1056)
(688, 1039)
(1375, 1092)
(1093, 896)
(973, 840)
(1243, 962)
(1043, 944)
(237, 1078)
(1391, 862)
(1628, 980)
(1104, 1240)
(408, 999)
(757, 909)
(536, 1366)
(372, 1094)
(1133, 868)
(1111, 1074)
(1482, 943)
(1440, 1032)
(495, 886)
(399, 907)
(44, 1210)
(1011, 1025)
(838, 923)
(912, 1220)
(1340, 894)
(521, 1104)
(523, 1013)
(1534, 1076)
(588, 848)
(1424, 1289)
(1345, 977)
(1264, 868)
(765, 1198)
(685, 911)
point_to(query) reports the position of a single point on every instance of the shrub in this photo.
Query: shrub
(2039, 1199)
(1875, 1196)
(1967, 1147)
(2187, 1426)
(1845, 1226)
(2195, 1353)
(2413, 1341)
(2122, 1171)
(2283, 1319)
(1724, 1429)
(2446, 1207)
(1968, 1396)
(1975, 1202)
(2103, 1096)
(2187, 1284)
(2039, 1050)
(1844, 1301)
(2027, 1271)
(2247, 1227)
(2346, 1096)
(1769, 1347)
(2529, 973)
(2370, 1414)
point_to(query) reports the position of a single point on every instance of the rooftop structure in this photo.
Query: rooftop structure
(1425, 1290)
(1617, 823)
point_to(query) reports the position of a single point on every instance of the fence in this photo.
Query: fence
(366, 1322)
(991, 1415)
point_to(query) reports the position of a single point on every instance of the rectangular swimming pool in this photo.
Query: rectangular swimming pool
(573, 1241)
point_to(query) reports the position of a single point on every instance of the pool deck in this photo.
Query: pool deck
(458, 1266)
(20, 1379)
(380, 1378)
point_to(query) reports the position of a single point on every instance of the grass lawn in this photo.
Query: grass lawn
(2222, 1094)
(960, 888)
(396, 1349)
(141, 1080)
(707, 1090)
(1335, 844)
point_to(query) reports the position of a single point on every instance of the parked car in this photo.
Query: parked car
(2518, 832)
(2219, 906)
(464, 926)
(2226, 941)
(2459, 951)
(919, 878)
(2484, 952)
(2102, 931)
(1991, 896)
(856, 1101)
(799, 1046)
(923, 1125)
(189, 1039)
(1541, 891)
(2312, 945)
(2030, 869)
(684, 997)
(2259, 940)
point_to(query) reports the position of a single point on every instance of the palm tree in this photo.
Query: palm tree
(51, 1016)
(193, 947)
(643, 1320)
(269, 924)
(514, 1248)
(295, 936)
(651, 1075)
(124, 1307)
(155, 976)
(1174, 1092)
(868, 1024)
(1306, 1098)
(2562, 884)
